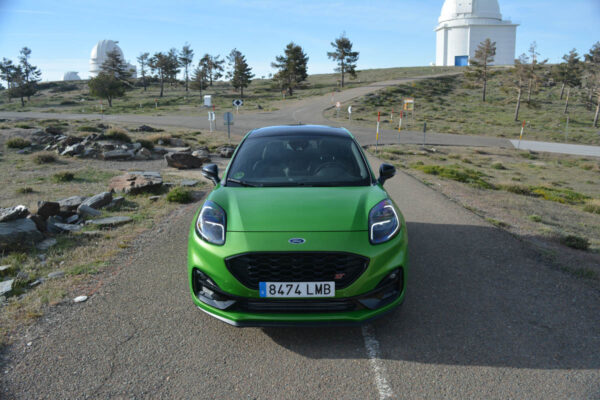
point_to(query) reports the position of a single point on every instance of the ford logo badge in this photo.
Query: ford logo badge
(297, 241)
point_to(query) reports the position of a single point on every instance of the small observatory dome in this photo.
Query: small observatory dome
(71, 76)
(99, 56)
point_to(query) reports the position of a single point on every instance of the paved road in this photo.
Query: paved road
(575, 149)
(485, 317)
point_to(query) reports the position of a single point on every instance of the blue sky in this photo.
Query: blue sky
(387, 33)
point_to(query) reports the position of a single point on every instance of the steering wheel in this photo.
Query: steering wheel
(328, 165)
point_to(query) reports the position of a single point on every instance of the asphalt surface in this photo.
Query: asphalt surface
(485, 317)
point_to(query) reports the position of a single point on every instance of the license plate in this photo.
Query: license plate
(297, 289)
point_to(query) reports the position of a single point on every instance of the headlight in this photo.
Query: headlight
(211, 223)
(383, 222)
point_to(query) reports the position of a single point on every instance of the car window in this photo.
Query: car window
(298, 161)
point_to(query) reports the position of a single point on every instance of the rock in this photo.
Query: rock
(46, 244)
(71, 140)
(92, 233)
(54, 130)
(146, 128)
(110, 222)
(135, 183)
(39, 222)
(13, 213)
(58, 227)
(26, 150)
(73, 150)
(160, 150)
(185, 149)
(47, 209)
(176, 142)
(116, 203)
(36, 282)
(80, 299)
(6, 287)
(73, 219)
(143, 154)
(5, 269)
(19, 233)
(183, 161)
(226, 151)
(22, 276)
(188, 183)
(56, 274)
(88, 211)
(70, 204)
(136, 146)
(89, 153)
(118, 155)
(154, 198)
(98, 201)
(201, 152)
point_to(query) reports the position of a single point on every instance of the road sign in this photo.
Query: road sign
(338, 105)
(409, 104)
(238, 103)
(349, 112)
(228, 118)
(211, 116)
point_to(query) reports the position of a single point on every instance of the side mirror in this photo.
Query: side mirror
(211, 171)
(386, 171)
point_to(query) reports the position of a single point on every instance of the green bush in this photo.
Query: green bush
(64, 176)
(575, 242)
(44, 158)
(592, 208)
(564, 196)
(179, 195)
(17, 143)
(24, 190)
(117, 134)
(517, 189)
(23, 125)
(146, 143)
(535, 218)
(87, 128)
(498, 166)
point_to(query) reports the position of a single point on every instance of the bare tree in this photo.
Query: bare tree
(535, 68)
(479, 65)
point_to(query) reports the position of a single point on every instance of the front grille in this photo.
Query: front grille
(341, 268)
(297, 306)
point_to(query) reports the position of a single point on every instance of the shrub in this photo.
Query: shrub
(517, 189)
(564, 196)
(17, 143)
(117, 134)
(68, 103)
(498, 166)
(63, 177)
(575, 242)
(44, 158)
(146, 143)
(535, 218)
(87, 128)
(592, 208)
(161, 136)
(179, 195)
(24, 190)
(465, 175)
(24, 126)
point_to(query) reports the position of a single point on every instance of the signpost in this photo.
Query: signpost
(156, 103)
(228, 120)
(338, 105)
(377, 132)
(237, 103)
(409, 105)
(521, 135)
(567, 130)
(400, 124)
(350, 112)
(211, 120)
(424, 132)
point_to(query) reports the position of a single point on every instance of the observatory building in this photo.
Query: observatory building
(71, 76)
(99, 56)
(464, 24)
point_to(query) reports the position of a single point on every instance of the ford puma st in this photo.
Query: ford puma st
(297, 231)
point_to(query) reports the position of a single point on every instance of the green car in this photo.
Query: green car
(298, 232)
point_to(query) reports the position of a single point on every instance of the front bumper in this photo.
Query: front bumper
(366, 298)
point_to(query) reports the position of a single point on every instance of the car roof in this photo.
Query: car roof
(309, 130)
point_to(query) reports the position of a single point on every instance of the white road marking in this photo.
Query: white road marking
(372, 346)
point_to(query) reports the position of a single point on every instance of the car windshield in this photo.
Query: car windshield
(298, 161)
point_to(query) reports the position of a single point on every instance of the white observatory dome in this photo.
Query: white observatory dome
(464, 24)
(453, 9)
(99, 56)
(71, 76)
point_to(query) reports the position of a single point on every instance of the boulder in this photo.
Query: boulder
(118, 155)
(146, 128)
(46, 244)
(176, 142)
(188, 183)
(73, 150)
(110, 222)
(98, 201)
(56, 274)
(183, 160)
(88, 211)
(59, 227)
(48, 209)
(226, 151)
(54, 130)
(19, 233)
(6, 287)
(116, 203)
(89, 153)
(201, 152)
(135, 183)
(70, 204)
(13, 213)
(39, 222)
(143, 154)
(71, 140)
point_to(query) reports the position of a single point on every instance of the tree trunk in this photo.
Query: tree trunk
(597, 111)
(562, 90)
(242, 91)
(342, 69)
(144, 82)
(22, 102)
(109, 101)
(162, 85)
(529, 91)
(567, 102)
(484, 88)
(518, 104)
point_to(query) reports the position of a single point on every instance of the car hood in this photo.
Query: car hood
(298, 209)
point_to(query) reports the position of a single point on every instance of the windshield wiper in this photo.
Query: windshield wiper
(241, 182)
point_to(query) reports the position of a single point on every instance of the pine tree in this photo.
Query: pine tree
(106, 86)
(241, 75)
(115, 65)
(199, 78)
(479, 65)
(143, 61)
(519, 78)
(7, 70)
(185, 59)
(173, 65)
(164, 66)
(570, 74)
(292, 67)
(213, 66)
(592, 68)
(344, 56)
(30, 73)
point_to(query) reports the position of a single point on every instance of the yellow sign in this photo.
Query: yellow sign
(409, 104)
